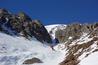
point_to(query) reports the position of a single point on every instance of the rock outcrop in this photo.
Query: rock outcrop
(22, 25)
(75, 31)
(79, 51)
(83, 42)
(32, 61)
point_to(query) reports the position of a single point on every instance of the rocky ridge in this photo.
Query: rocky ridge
(22, 25)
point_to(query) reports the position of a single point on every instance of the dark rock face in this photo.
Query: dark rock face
(23, 25)
(40, 32)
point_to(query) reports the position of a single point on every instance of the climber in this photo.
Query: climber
(55, 41)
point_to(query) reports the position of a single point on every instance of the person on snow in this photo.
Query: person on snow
(55, 41)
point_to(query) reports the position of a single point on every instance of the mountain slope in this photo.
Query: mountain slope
(24, 41)
(16, 50)
(80, 43)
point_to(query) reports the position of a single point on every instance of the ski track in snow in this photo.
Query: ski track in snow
(15, 50)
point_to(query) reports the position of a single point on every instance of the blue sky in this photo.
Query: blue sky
(55, 11)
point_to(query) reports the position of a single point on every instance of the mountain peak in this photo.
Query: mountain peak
(22, 25)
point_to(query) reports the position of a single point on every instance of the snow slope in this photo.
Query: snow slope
(53, 28)
(15, 50)
(90, 60)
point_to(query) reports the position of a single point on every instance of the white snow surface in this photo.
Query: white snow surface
(92, 59)
(50, 27)
(15, 50)
(89, 58)
(54, 28)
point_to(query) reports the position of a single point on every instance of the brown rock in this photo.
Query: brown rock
(32, 61)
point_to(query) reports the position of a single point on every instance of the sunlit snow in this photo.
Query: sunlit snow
(92, 59)
(54, 28)
(15, 50)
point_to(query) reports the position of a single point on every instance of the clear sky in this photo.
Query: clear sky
(55, 11)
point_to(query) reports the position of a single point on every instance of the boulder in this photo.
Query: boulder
(32, 61)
